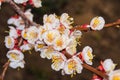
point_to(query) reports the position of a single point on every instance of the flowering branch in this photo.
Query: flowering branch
(21, 13)
(31, 23)
(79, 27)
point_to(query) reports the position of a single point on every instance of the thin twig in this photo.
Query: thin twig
(20, 12)
(113, 24)
(101, 74)
(20, 42)
(4, 70)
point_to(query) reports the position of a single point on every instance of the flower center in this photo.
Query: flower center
(96, 22)
(9, 41)
(116, 77)
(14, 56)
(50, 37)
(40, 45)
(33, 35)
(59, 43)
(72, 65)
(90, 55)
(48, 20)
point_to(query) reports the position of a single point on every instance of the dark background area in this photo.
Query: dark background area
(106, 43)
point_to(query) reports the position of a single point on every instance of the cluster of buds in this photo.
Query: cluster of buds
(55, 40)
(107, 66)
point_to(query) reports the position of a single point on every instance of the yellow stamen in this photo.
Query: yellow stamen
(14, 56)
(33, 35)
(90, 55)
(96, 22)
(59, 42)
(24, 35)
(50, 37)
(116, 77)
(9, 41)
(40, 45)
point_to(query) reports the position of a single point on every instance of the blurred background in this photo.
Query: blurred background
(106, 43)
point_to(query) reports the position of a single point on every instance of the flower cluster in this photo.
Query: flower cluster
(55, 40)
(108, 67)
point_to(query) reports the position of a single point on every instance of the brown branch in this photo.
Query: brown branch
(92, 69)
(4, 70)
(79, 27)
(20, 12)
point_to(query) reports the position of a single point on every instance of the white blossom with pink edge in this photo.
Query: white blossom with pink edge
(15, 65)
(26, 47)
(58, 61)
(51, 21)
(61, 42)
(13, 32)
(37, 3)
(71, 47)
(108, 65)
(66, 20)
(9, 42)
(31, 34)
(73, 66)
(50, 36)
(15, 55)
(87, 55)
(39, 46)
(47, 52)
(114, 75)
(97, 23)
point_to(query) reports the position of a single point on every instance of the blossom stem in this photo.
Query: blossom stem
(20, 42)
(4, 70)
(21, 13)
(78, 27)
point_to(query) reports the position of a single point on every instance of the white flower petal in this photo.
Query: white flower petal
(37, 3)
(20, 1)
(58, 60)
(73, 66)
(15, 55)
(97, 23)
(87, 55)
(50, 36)
(66, 20)
(13, 32)
(26, 47)
(9, 42)
(47, 53)
(114, 75)
(108, 65)
(17, 64)
(61, 42)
